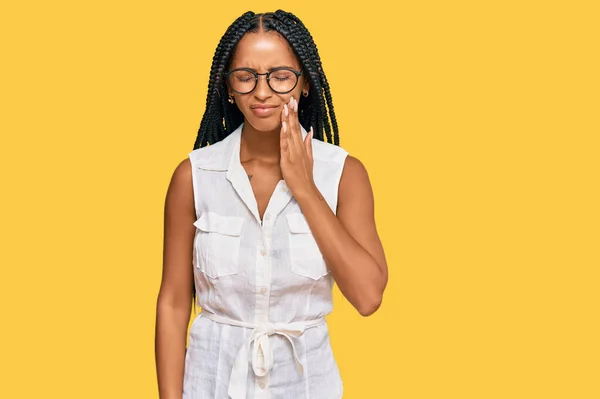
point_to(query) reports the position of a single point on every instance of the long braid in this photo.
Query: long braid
(211, 127)
(300, 41)
(221, 117)
(308, 45)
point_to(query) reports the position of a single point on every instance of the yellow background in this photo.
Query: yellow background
(478, 123)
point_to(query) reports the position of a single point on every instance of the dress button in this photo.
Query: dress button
(267, 216)
(263, 290)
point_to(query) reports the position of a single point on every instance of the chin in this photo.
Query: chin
(265, 124)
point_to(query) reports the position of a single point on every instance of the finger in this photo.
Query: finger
(285, 120)
(308, 143)
(296, 122)
(309, 150)
(283, 131)
(287, 134)
(283, 139)
(294, 125)
(291, 145)
(284, 113)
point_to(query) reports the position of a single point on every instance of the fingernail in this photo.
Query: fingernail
(284, 127)
(285, 108)
(311, 132)
(295, 105)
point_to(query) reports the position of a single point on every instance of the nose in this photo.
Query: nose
(262, 89)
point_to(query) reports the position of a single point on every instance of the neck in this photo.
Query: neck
(263, 145)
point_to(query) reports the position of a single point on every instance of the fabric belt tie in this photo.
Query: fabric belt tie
(262, 354)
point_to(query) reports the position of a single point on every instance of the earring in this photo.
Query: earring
(305, 93)
(231, 99)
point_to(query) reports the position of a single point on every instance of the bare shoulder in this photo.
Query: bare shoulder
(354, 179)
(183, 172)
(180, 186)
(353, 166)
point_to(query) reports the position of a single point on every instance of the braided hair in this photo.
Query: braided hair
(221, 117)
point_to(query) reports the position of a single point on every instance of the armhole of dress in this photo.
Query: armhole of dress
(195, 199)
(194, 184)
(338, 177)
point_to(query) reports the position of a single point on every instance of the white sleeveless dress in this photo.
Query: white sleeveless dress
(263, 286)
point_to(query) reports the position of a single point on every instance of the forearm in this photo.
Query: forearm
(170, 338)
(358, 275)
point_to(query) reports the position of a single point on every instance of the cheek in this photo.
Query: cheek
(242, 102)
(288, 97)
(297, 92)
(244, 106)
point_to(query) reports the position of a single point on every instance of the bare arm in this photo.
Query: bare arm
(349, 242)
(347, 238)
(174, 302)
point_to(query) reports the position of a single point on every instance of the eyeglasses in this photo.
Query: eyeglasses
(280, 80)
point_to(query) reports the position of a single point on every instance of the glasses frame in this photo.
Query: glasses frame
(268, 76)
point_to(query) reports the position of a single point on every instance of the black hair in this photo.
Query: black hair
(222, 117)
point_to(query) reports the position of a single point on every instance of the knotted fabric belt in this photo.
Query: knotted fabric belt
(262, 354)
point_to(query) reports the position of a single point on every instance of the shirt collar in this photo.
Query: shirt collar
(222, 155)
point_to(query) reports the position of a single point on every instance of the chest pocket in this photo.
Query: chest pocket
(305, 256)
(218, 244)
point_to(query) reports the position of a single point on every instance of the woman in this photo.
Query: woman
(260, 219)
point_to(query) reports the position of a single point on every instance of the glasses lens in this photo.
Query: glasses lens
(282, 80)
(242, 81)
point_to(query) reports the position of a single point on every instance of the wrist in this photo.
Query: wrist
(310, 193)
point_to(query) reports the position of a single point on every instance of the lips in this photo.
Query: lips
(263, 106)
(263, 110)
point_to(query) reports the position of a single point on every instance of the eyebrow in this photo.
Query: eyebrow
(270, 69)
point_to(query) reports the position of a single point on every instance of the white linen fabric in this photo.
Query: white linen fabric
(263, 285)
